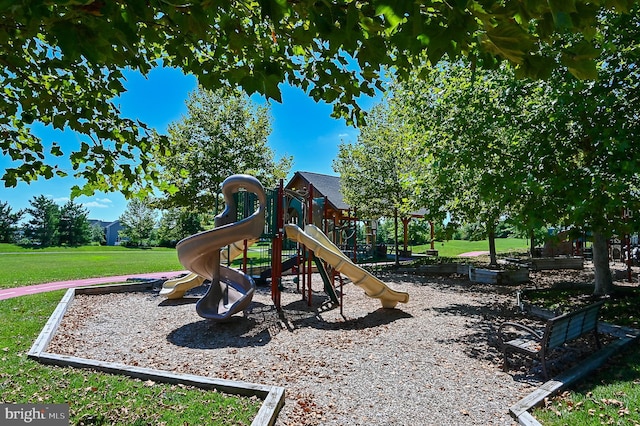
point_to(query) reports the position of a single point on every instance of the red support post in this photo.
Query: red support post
(324, 216)
(276, 249)
(303, 269)
(245, 246)
(309, 252)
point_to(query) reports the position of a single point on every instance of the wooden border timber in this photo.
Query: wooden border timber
(552, 263)
(437, 269)
(624, 335)
(272, 396)
(499, 277)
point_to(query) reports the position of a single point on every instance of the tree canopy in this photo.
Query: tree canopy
(62, 61)
(459, 118)
(559, 151)
(9, 221)
(73, 224)
(138, 222)
(42, 228)
(223, 133)
(373, 172)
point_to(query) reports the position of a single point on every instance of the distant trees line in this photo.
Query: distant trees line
(146, 225)
(48, 224)
(45, 224)
(420, 231)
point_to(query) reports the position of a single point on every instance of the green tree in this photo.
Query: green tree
(385, 232)
(97, 235)
(223, 133)
(375, 172)
(587, 146)
(559, 151)
(9, 222)
(73, 225)
(419, 231)
(176, 224)
(62, 62)
(42, 228)
(464, 132)
(138, 222)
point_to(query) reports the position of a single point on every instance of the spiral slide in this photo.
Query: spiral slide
(177, 287)
(231, 291)
(316, 241)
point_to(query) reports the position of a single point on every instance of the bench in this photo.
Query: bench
(558, 331)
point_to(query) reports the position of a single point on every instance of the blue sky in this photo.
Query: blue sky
(301, 128)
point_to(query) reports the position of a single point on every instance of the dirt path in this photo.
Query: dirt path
(473, 254)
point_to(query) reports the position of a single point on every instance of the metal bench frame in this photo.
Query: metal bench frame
(558, 331)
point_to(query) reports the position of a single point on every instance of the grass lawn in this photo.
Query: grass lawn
(97, 398)
(21, 267)
(453, 248)
(94, 398)
(609, 397)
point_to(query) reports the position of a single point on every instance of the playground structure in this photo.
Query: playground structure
(177, 287)
(231, 290)
(253, 213)
(322, 247)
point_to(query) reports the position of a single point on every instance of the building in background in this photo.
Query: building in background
(111, 231)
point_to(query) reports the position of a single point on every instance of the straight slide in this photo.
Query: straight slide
(316, 241)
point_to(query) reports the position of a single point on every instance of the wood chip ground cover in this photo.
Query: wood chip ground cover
(433, 360)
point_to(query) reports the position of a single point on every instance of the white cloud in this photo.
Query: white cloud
(61, 200)
(348, 136)
(99, 204)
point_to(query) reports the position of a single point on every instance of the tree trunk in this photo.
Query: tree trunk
(396, 235)
(603, 280)
(532, 237)
(432, 234)
(405, 229)
(492, 246)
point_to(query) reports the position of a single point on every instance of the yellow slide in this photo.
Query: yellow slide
(177, 287)
(315, 240)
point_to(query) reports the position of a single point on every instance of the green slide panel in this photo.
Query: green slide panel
(328, 286)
